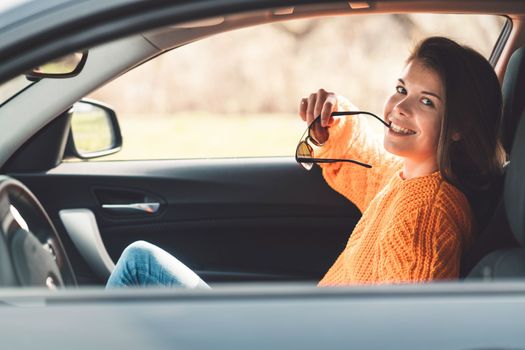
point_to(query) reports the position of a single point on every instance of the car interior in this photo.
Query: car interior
(497, 241)
(228, 219)
(497, 252)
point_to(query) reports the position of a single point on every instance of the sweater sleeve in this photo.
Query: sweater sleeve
(424, 246)
(350, 139)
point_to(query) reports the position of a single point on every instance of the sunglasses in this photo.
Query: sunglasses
(317, 135)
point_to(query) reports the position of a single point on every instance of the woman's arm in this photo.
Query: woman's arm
(426, 246)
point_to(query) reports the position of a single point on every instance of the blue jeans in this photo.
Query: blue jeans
(145, 265)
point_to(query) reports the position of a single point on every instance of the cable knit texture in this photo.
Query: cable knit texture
(411, 230)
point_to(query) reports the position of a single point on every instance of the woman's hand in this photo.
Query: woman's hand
(320, 103)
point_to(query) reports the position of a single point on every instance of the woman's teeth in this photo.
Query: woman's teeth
(401, 130)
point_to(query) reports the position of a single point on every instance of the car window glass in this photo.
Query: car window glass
(236, 94)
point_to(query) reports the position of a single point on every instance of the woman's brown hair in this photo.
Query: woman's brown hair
(473, 109)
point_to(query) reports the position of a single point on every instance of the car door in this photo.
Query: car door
(228, 219)
(242, 215)
(247, 212)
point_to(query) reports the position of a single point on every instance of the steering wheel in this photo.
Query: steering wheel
(31, 253)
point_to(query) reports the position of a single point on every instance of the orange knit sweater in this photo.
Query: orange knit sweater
(410, 231)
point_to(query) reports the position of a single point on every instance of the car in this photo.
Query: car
(175, 122)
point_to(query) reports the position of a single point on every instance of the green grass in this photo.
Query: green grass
(206, 135)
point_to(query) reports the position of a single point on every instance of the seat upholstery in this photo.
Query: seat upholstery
(495, 234)
(498, 251)
(513, 92)
(509, 261)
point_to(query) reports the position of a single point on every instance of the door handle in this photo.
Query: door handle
(132, 208)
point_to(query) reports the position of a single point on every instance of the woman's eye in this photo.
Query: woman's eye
(401, 90)
(427, 102)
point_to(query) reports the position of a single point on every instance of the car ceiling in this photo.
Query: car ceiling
(30, 35)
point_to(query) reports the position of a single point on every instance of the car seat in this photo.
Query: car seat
(498, 250)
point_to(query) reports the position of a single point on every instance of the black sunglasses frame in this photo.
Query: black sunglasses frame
(305, 160)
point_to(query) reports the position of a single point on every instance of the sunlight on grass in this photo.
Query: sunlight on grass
(206, 135)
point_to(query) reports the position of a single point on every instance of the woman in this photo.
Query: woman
(444, 116)
(442, 145)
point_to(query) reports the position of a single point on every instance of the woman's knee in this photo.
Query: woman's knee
(137, 250)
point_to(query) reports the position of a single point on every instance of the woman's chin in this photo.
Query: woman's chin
(393, 148)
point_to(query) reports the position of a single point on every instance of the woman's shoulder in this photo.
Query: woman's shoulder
(445, 201)
(439, 203)
(449, 195)
(433, 192)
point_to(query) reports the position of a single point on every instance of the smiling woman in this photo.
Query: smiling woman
(416, 139)
(446, 101)
(416, 219)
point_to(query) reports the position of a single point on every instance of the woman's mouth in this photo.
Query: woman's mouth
(400, 130)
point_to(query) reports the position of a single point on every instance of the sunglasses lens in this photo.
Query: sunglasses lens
(317, 133)
(304, 151)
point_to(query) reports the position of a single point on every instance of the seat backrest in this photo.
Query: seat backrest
(514, 190)
(513, 90)
(510, 261)
(496, 238)
(493, 232)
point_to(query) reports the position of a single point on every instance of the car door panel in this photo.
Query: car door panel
(228, 219)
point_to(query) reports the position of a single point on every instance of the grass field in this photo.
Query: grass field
(206, 135)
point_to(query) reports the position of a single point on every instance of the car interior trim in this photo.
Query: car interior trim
(82, 227)
(98, 67)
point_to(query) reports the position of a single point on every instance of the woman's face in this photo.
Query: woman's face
(415, 111)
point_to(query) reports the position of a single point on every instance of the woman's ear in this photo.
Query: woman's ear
(456, 136)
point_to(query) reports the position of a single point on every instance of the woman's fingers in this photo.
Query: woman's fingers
(302, 108)
(329, 105)
(321, 103)
(310, 109)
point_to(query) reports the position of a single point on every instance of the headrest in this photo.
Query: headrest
(514, 190)
(513, 102)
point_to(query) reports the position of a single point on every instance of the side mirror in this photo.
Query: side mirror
(63, 67)
(94, 132)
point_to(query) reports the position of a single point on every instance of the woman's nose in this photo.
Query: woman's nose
(403, 107)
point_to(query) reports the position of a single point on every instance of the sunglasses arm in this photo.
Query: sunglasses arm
(318, 160)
